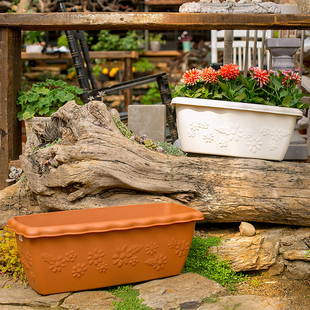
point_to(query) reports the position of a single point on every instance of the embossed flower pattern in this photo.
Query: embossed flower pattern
(181, 248)
(102, 267)
(70, 256)
(133, 260)
(195, 127)
(208, 137)
(151, 248)
(278, 134)
(124, 254)
(78, 270)
(255, 144)
(223, 142)
(172, 243)
(233, 131)
(157, 262)
(56, 264)
(95, 257)
(273, 146)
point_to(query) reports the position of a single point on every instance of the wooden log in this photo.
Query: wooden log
(95, 157)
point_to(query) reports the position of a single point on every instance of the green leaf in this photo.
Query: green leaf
(286, 101)
(240, 97)
(224, 86)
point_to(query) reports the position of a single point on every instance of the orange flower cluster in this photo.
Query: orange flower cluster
(229, 72)
(209, 75)
(191, 77)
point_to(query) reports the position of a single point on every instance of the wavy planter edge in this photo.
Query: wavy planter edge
(92, 248)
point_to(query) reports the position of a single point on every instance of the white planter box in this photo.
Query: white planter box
(34, 48)
(234, 129)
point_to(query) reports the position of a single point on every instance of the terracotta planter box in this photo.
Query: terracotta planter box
(92, 248)
(237, 129)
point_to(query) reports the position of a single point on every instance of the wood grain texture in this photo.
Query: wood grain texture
(153, 21)
(94, 157)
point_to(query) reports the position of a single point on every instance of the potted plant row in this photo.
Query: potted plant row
(223, 112)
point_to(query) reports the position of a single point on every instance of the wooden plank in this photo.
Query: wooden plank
(153, 21)
(10, 84)
(92, 54)
(167, 2)
(168, 53)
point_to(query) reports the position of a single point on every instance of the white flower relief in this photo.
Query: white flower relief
(273, 146)
(196, 126)
(209, 137)
(255, 144)
(233, 131)
(223, 142)
(278, 134)
(248, 133)
(265, 131)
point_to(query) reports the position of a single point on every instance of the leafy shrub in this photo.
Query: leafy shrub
(144, 65)
(45, 98)
(10, 262)
(113, 42)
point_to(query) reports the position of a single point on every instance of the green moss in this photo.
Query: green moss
(129, 298)
(207, 264)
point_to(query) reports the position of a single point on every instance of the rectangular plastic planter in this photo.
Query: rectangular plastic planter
(92, 248)
(237, 129)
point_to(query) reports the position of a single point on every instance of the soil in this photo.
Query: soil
(297, 292)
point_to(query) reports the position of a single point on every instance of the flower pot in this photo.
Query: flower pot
(155, 46)
(35, 48)
(238, 129)
(92, 248)
(186, 46)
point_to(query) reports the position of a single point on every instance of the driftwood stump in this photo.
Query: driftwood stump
(95, 159)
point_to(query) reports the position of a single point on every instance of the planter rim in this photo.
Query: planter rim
(220, 104)
(105, 219)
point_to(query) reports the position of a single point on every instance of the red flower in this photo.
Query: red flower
(229, 72)
(289, 76)
(261, 76)
(209, 75)
(191, 77)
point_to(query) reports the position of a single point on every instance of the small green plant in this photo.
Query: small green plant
(33, 37)
(162, 147)
(255, 282)
(10, 262)
(153, 96)
(62, 41)
(129, 298)
(45, 98)
(157, 37)
(113, 42)
(205, 263)
(144, 65)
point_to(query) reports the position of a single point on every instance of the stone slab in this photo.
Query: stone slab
(149, 120)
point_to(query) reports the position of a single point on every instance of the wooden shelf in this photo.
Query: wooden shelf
(152, 21)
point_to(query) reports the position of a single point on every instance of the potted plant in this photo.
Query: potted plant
(45, 98)
(185, 39)
(34, 41)
(143, 67)
(226, 113)
(156, 40)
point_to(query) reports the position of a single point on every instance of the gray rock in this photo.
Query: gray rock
(246, 302)
(19, 294)
(184, 289)
(89, 300)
